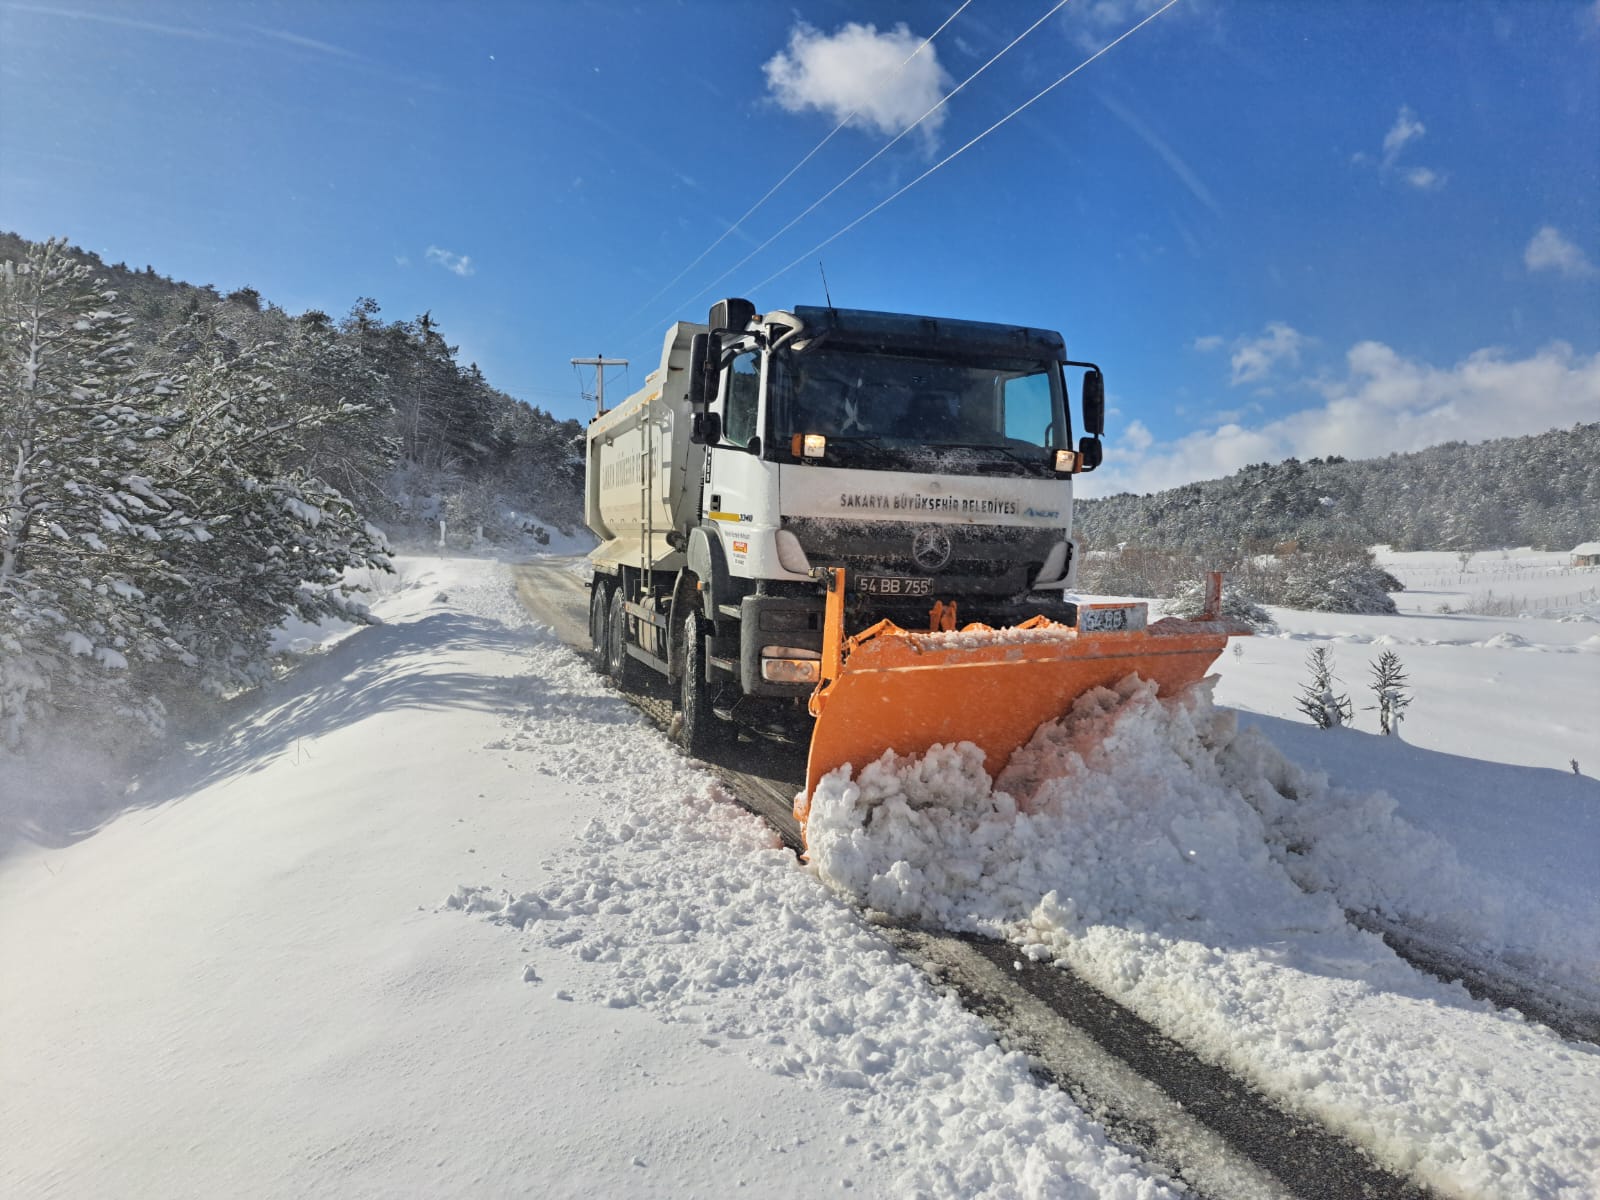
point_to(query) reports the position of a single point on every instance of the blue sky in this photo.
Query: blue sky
(1283, 228)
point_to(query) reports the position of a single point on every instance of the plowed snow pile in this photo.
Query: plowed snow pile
(1192, 872)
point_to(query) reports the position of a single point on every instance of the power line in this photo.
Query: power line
(726, 233)
(957, 153)
(815, 204)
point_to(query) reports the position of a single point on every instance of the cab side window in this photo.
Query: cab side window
(1030, 416)
(744, 393)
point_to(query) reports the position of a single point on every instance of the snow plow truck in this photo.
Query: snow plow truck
(858, 525)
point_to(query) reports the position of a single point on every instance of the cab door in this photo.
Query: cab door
(740, 494)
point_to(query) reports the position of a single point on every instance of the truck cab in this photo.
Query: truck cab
(931, 459)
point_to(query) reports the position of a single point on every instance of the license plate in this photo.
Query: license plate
(890, 585)
(1111, 620)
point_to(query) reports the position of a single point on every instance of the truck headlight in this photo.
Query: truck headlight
(790, 664)
(813, 445)
(1066, 461)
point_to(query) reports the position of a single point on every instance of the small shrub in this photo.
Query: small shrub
(1389, 685)
(1487, 604)
(1326, 708)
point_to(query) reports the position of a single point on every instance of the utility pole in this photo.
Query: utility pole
(599, 364)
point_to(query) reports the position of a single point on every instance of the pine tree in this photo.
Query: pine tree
(1317, 699)
(1389, 685)
(79, 510)
(325, 373)
(278, 540)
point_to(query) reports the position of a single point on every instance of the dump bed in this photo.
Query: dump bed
(638, 482)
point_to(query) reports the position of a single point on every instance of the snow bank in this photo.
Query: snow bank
(1196, 875)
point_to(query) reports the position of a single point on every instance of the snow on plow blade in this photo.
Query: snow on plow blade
(889, 688)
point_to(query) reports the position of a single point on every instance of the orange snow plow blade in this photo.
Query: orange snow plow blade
(888, 688)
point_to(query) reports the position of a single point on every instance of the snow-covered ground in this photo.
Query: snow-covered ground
(289, 968)
(442, 915)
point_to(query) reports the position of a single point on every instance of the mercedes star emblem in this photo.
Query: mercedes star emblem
(931, 548)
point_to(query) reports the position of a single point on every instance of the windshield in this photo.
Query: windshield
(1013, 406)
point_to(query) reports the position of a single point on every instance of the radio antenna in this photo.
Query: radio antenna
(824, 275)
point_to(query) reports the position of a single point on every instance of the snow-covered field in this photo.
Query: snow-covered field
(441, 915)
(1524, 583)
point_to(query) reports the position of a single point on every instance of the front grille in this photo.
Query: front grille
(880, 545)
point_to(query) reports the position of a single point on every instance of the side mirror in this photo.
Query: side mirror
(732, 314)
(1089, 453)
(705, 428)
(697, 370)
(705, 364)
(1094, 404)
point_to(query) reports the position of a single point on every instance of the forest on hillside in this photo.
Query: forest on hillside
(184, 470)
(1541, 491)
(441, 441)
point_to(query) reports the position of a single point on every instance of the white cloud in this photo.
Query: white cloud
(402, 260)
(1424, 179)
(1211, 341)
(1406, 131)
(458, 264)
(1383, 402)
(1406, 128)
(1550, 251)
(858, 73)
(1255, 358)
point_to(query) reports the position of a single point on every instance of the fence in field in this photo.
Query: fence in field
(1454, 576)
(1488, 604)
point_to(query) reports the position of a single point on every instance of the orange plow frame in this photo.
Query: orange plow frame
(888, 688)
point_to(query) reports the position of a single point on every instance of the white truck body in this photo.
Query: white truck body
(712, 502)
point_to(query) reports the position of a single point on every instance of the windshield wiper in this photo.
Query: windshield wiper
(867, 441)
(1030, 465)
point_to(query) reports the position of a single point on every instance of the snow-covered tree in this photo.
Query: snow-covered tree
(320, 371)
(1340, 579)
(79, 510)
(1389, 685)
(1318, 700)
(278, 540)
(1190, 600)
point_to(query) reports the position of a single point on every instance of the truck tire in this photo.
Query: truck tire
(599, 618)
(702, 731)
(623, 668)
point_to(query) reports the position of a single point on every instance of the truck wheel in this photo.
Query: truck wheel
(702, 730)
(621, 666)
(599, 616)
